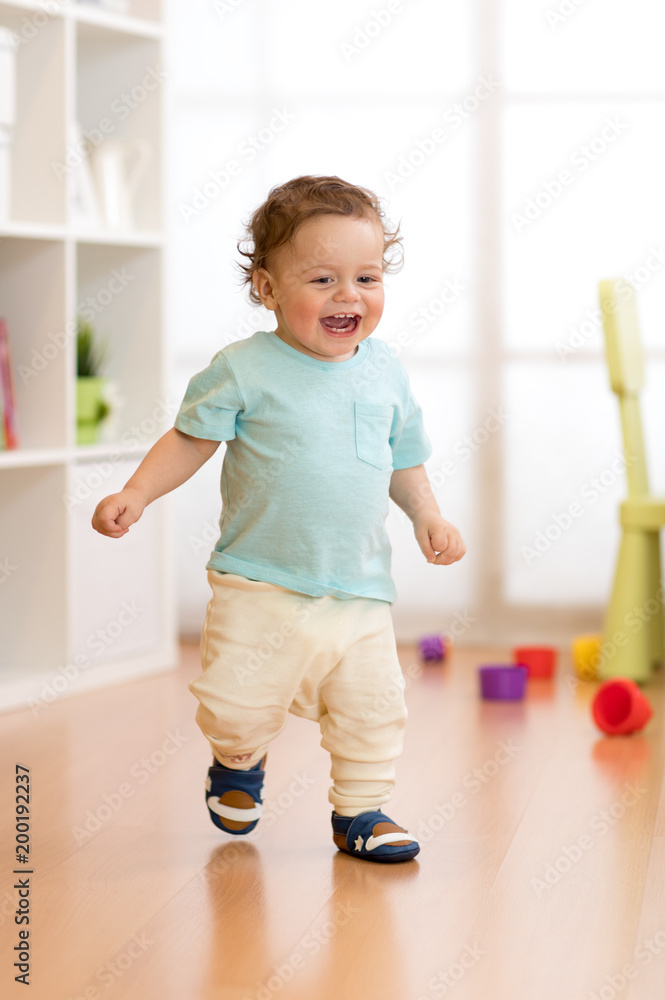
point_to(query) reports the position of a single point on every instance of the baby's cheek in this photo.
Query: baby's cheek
(305, 313)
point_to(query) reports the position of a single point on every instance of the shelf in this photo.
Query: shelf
(123, 286)
(105, 237)
(119, 96)
(115, 450)
(80, 610)
(33, 545)
(143, 23)
(21, 458)
(106, 20)
(38, 134)
(32, 231)
(17, 7)
(133, 238)
(108, 601)
(32, 302)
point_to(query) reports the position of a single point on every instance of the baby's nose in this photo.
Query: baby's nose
(347, 293)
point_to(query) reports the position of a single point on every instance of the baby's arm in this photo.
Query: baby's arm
(170, 462)
(439, 540)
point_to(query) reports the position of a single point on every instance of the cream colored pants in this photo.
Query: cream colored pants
(267, 651)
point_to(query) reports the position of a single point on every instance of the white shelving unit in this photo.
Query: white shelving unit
(77, 610)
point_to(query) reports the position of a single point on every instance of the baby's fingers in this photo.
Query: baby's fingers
(107, 519)
(450, 549)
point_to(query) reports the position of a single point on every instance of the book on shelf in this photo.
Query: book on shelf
(8, 429)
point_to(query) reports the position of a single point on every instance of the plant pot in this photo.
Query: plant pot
(90, 407)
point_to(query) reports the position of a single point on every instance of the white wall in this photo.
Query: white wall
(485, 211)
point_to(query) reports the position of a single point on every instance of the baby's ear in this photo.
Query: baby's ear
(263, 284)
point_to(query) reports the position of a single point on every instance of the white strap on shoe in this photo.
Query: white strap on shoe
(230, 812)
(387, 838)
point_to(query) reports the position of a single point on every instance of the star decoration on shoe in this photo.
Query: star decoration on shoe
(359, 843)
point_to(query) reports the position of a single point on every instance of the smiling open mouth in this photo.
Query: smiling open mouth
(341, 323)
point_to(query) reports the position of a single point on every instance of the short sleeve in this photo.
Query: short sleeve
(409, 442)
(211, 403)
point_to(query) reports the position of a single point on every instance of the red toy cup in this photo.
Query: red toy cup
(540, 661)
(619, 707)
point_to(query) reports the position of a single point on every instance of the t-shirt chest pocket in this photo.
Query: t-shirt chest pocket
(373, 424)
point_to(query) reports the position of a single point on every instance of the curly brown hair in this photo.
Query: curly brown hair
(290, 205)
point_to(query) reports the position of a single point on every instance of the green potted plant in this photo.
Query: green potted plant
(91, 406)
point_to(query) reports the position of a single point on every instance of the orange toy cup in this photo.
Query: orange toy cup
(540, 661)
(620, 708)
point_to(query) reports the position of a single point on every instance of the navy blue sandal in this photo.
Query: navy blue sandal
(374, 837)
(234, 798)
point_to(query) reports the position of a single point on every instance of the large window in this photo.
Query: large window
(522, 149)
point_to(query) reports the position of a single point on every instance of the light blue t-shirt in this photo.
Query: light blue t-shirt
(311, 446)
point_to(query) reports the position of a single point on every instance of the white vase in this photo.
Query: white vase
(7, 77)
(119, 166)
(5, 172)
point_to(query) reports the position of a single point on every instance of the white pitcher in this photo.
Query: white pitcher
(119, 166)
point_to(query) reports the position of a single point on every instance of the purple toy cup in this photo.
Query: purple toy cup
(502, 682)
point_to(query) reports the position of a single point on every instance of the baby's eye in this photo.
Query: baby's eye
(316, 280)
(366, 278)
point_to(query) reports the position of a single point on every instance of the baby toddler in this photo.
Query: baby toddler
(321, 428)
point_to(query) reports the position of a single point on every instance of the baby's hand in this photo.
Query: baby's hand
(115, 513)
(439, 540)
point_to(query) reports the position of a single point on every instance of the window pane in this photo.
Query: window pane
(431, 195)
(613, 45)
(445, 396)
(392, 47)
(582, 201)
(562, 448)
(213, 47)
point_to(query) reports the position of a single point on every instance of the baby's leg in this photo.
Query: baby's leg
(363, 725)
(244, 697)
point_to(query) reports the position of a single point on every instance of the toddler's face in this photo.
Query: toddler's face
(326, 290)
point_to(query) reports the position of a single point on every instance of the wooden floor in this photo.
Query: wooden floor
(541, 873)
